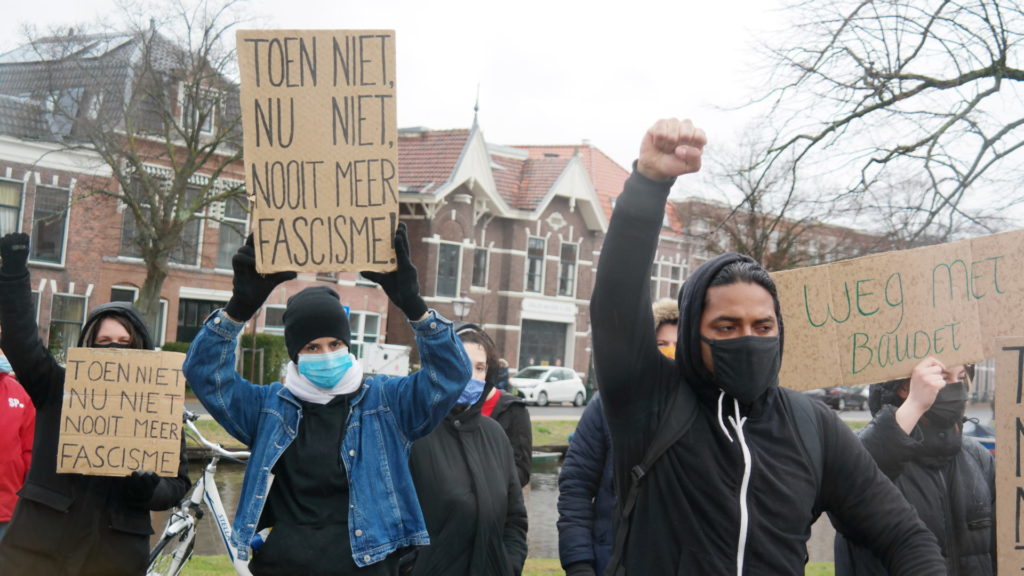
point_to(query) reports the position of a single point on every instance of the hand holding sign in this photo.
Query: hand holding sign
(926, 381)
(402, 286)
(140, 486)
(250, 288)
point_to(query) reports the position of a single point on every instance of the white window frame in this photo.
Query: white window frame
(160, 337)
(81, 323)
(543, 265)
(458, 270)
(226, 221)
(64, 238)
(184, 107)
(357, 327)
(273, 328)
(20, 217)
(575, 268)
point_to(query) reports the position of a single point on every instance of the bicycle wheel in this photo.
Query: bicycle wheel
(171, 554)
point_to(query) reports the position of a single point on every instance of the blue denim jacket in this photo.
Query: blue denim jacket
(386, 416)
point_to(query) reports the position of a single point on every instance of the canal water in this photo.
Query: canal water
(541, 500)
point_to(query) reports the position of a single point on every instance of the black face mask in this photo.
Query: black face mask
(747, 366)
(117, 345)
(950, 404)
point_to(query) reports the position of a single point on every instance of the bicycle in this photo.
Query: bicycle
(174, 548)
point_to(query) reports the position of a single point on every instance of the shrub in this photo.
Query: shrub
(275, 356)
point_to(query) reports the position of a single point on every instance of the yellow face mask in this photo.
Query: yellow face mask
(668, 351)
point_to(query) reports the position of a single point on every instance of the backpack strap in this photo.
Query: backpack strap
(808, 427)
(677, 420)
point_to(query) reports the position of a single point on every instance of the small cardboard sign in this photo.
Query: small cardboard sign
(321, 147)
(1010, 432)
(121, 412)
(874, 318)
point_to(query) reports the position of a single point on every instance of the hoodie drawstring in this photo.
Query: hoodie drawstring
(737, 422)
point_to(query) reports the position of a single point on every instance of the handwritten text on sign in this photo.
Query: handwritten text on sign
(321, 155)
(122, 412)
(1010, 432)
(874, 318)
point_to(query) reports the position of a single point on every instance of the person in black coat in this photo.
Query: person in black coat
(510, 411)
(467, 485)
(69, 523)
(915, 436)
(586, 495)
(736, 491)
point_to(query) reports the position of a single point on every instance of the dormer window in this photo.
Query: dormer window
(198, 108)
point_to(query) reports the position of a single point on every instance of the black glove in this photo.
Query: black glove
(401, 286)
(139, 487)
(580, 569)
(250, 288)
(14, 252)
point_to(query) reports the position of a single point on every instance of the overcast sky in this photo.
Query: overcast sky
(549, 72)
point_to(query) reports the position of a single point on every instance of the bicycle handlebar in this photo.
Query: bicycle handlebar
(190, 418)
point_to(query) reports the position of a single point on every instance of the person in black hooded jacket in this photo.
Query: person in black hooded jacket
(736, 493)
(467, 484)
(71, 524)
(915, 436)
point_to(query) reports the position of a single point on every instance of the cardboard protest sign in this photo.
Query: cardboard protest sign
(1009, 431)
(874, 318)
(321, 147)
(122, 412)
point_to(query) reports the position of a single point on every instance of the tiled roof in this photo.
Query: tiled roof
(538, 176)
(427, 158)
(508, 177)
(22, 118)
(607, 176)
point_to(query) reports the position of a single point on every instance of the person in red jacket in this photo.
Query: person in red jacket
(17, 425)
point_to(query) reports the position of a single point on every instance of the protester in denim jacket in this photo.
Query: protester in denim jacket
(329, 474)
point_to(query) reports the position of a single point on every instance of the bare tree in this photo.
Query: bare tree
(768, 213)
(883, 89)
(155, 100)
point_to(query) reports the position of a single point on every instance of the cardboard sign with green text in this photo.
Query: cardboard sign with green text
(1010, 432)
(121, 412)
(874, 318)
(321, 147)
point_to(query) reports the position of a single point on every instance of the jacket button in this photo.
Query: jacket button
(216, 320)
(433, 325)
(366, 558)
(352, 453)
(359, 532)
(458, 423)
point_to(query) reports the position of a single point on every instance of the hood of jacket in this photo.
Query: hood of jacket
(120, 310)
(691, 308)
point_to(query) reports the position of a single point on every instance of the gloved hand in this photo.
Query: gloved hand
(139, 487)
(250, 288)
(402, 286)
(14, 252)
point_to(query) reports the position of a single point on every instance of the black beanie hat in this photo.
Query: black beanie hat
(314, 313)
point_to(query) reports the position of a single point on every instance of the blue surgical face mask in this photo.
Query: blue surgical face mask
(5, 366)
(325, 370)
(471, 393)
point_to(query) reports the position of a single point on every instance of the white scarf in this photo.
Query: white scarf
(306, 391)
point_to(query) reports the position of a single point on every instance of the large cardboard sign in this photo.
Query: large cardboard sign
(874, 318)
(321, 147)
(1010, 432)
(121, 412)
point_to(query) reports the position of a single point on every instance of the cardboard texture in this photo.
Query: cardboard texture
(1009, 429)
(874, 318)
(122, 412)
(321, 147)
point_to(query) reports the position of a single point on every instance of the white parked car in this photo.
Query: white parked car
(543, 384)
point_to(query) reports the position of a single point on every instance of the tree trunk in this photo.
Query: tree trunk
(149, 297)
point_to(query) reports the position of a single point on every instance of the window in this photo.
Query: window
(198, 107)
(186, 252)
(130, 294)
(36, 295)
(673, 280)
(273, 319)
(67, 315)
(49, 224)
(535, 264)
(10, 206)
(449, 260)
(567, 269)
(233, 227)
(480, 258)
(365, 330)
(192, 314)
